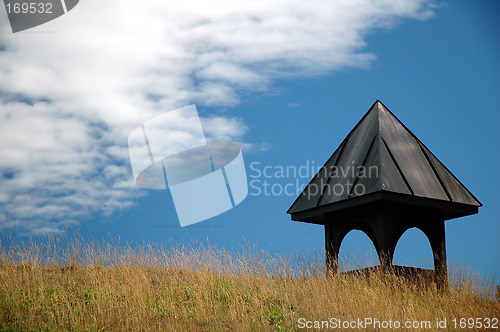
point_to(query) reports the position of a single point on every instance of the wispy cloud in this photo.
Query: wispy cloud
(69, 96)
(293, 104)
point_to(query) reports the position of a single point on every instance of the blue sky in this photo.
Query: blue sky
(288, 101)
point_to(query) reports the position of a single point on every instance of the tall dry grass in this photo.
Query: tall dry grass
(49, 284)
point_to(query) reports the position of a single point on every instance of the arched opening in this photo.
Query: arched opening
(414, 249)
(356, 252)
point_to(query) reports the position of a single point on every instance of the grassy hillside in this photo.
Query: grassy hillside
(50, 286)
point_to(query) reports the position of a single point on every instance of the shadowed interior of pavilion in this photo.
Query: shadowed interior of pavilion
(382, 180)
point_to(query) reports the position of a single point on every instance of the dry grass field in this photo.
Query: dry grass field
(48, 285)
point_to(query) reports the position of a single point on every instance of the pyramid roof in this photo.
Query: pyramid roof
(382, 156)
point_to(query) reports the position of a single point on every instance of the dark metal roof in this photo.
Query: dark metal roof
(381, 155)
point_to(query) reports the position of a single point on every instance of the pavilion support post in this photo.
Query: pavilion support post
(439, 251)
(332, 248)
(384, 227)
(385, 258)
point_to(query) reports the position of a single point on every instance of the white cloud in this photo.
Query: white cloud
(71, 90)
